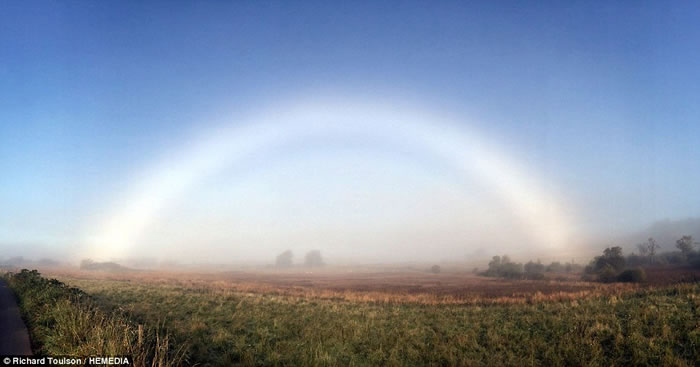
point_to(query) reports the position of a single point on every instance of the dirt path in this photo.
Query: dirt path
(14, 337)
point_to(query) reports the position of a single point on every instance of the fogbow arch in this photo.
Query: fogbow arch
(233, 141)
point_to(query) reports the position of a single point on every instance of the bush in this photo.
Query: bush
(632, 276)
(607, 275)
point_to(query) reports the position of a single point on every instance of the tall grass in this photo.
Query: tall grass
(66, 321)
(225, 327)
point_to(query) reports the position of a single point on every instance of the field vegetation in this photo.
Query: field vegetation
(65, 321)
(330, 317)
(376, 319)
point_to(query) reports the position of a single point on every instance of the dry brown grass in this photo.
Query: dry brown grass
(382, 287)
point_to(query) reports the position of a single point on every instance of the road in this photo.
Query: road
(14, 337)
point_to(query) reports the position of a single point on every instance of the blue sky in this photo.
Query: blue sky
(601, 99)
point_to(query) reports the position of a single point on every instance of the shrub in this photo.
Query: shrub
(632, 276)
(607, 275)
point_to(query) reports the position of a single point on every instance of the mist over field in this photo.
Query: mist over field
(478, 253)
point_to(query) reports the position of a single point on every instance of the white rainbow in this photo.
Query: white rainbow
(464, 150)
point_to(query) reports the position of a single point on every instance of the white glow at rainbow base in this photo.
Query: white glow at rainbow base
(464, 150)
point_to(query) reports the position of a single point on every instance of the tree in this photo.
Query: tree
(501, 266)
(555, 267)
(648, 250)
(435, 269)
(284, 260)
(495, 262)
(495, 266)
(652, 246)
(86, 264)
(313, 258)
(643, 249)
(612, 257)
(512, 270)
(685, 244)
(534, 267)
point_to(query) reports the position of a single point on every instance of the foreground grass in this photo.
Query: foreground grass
(65, 321)
(224, 327)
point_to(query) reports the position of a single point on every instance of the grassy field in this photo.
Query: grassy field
(65, 321)
(402, 319)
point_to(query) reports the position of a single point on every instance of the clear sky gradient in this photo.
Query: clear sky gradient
(600, 101)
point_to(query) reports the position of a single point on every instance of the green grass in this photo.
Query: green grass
(65, 321)
(651, 327)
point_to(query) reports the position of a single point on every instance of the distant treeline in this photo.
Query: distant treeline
(108, 266)
(611, 266)
(503, 267)
(312, 258)
(17, 261)
(649, 255)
